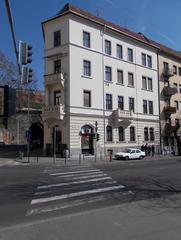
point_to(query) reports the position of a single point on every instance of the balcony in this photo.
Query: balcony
(168, 91)
(124, 117)
(169, 110)
(56, 78)
(55, 112)
(168, 72)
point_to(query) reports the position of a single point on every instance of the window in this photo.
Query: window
(87, 68)
(108, 73)
(175, 69)
(179, 71)
(107, 47)
(143, 59)
(152, 135)
(147, 83)
(120, 77)
(149, 61)
(119, 51)
(145, 106)
(57, 38)
(57, 97)
(86, 39)
(87, 98)
(179, 88)
(109, 133)
(146, 138)
(144, 83)
(150, 104)
(130, 55)
(121, 102)
(131, 104)
(108, 101)
(132, 134)
(57, 66)
(130, 79)
(150, 87)
(176, 104)
(165, 66)
(121, 134)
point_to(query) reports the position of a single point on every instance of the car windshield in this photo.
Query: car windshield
(127, 151)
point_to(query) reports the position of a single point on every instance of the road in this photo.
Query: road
(31, 193)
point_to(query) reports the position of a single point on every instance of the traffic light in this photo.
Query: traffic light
(25, 53)
(26, 75)
(94, 135)
(98, 137)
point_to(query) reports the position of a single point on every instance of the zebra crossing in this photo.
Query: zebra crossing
(71, 187)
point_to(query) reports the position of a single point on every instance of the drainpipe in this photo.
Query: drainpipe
(158, 74)
(103, 95)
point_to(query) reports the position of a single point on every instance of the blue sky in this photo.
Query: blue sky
(157, 19)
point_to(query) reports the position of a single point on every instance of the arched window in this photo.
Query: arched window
(152, 135)
(132, 134)
(146, 138)
(109, 133)
(121, 134)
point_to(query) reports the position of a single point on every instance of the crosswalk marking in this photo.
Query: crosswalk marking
(74, 182)
(75, 194)
(76, 172)
(84, 177)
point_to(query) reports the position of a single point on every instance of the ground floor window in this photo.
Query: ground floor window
(109, 133)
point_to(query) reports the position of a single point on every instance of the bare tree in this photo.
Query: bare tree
(9, 75)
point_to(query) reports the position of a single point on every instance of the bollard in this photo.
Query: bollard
(65, 159)
(110, 156)
(79, 158)
(101, 155)
(83, 157)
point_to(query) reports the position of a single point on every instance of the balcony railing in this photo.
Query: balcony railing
(169, 110)
(169, 90)
(56, 78)
(56, 111)
(168, 72)
(122, 116)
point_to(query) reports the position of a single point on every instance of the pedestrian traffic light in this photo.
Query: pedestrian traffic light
(94, 135)
(98, 137)
(25, 53)
(26, 75)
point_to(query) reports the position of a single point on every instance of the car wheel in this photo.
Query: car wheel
(127, 158)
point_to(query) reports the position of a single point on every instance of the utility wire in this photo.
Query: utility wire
(8, 9)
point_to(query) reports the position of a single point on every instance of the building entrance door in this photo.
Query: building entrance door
(87, 140)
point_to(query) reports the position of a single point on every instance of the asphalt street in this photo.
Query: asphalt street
(31, 193)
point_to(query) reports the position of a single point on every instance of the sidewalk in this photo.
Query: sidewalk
(91, 160)
(153, 219)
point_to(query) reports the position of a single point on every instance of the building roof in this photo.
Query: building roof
(69, 8)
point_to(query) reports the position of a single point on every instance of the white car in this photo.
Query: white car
(130, 153)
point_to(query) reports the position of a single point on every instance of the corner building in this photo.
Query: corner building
(100, 78)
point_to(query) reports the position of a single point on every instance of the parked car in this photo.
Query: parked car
(130, 153)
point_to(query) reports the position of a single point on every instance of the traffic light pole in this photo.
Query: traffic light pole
(28, 138)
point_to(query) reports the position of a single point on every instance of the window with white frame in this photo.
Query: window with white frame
(130, 79)
(121, 102)
(108, 101)
(120, 79)
(57, 38)
(152, 135)
(132, 134)
(146, 60)
(143, 59)
(149, 61)
(121, 134)
(146, 137)
(86, 39)
(108, 47)
(131, 104)
(108, 73)
(57, 66)
(109, 133)
(130, 55)
(119, 51)
(87, 98)
(147, 83)
(86, 68)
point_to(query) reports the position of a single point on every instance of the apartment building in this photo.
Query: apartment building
(99, 78)
(170, 98)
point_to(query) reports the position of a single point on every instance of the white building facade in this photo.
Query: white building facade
(99, 78)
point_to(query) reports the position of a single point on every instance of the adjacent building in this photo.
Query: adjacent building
(99, 78)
